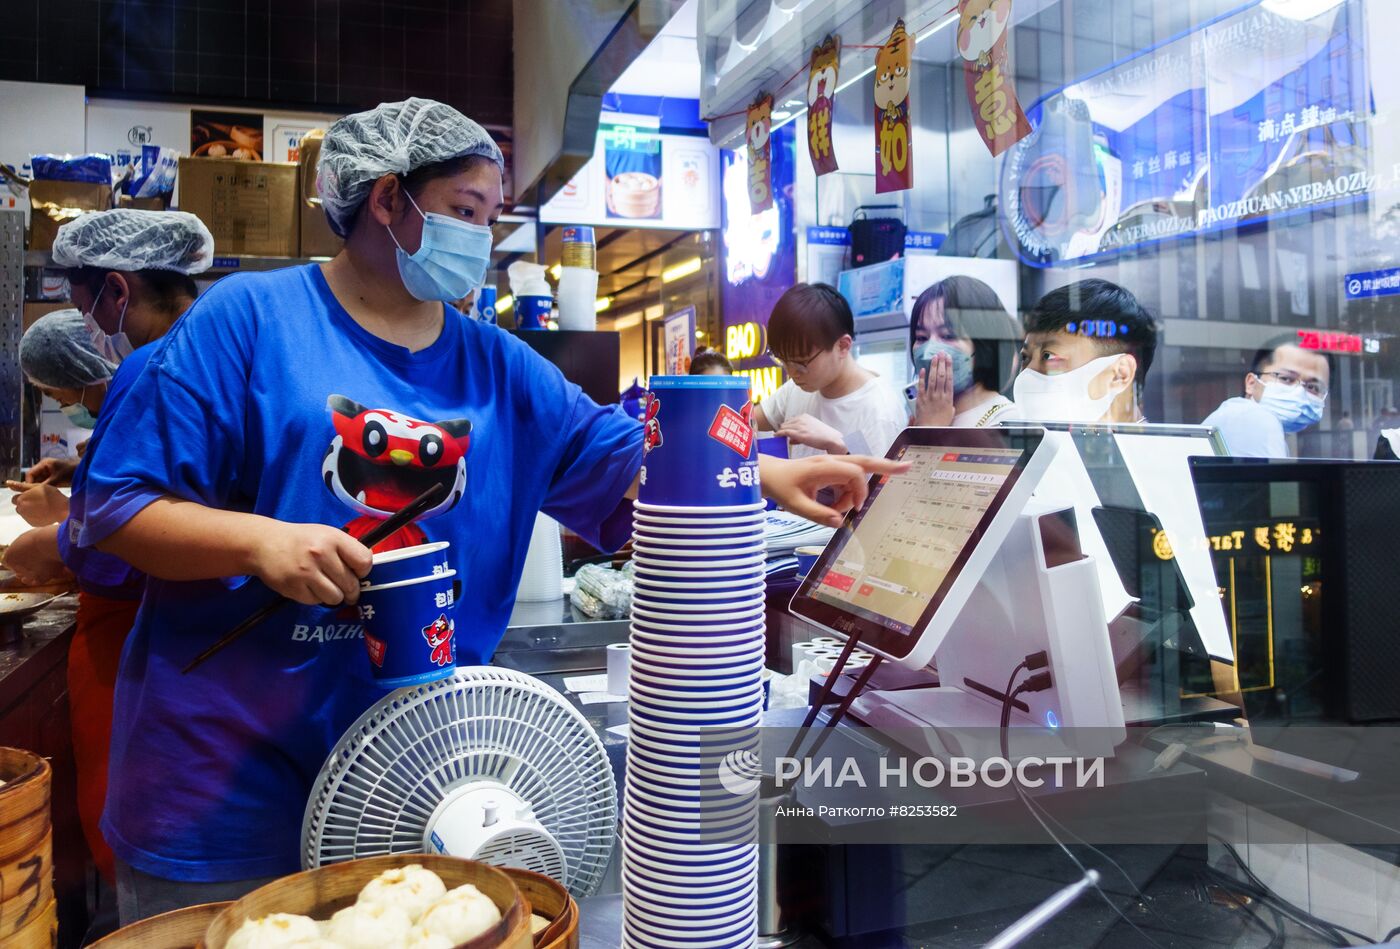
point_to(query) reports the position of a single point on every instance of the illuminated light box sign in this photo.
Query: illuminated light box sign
(1374, 283)
(1256, 115)
(641, 177)
(1325, 342)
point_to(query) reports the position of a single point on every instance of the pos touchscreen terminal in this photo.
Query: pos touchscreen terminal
(899, 570)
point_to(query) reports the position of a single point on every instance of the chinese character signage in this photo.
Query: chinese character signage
(821, 93)
(982, 40)
(894, 135)
(1375, 283)
(1202, 133)
(760, 155)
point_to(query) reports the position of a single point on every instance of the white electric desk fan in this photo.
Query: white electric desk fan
(489, 764)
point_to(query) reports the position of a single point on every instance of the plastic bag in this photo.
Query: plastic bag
(89, 169)
(154, 175)
(602, 592)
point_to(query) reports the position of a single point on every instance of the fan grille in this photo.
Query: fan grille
(390, 770)
(523, 848)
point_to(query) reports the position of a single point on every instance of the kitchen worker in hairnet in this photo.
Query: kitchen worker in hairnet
(59, 360)
(130, 273)
(287, 414)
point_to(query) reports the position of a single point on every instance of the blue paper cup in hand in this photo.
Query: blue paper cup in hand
(410, 629)
(701, 448)
(408, 563)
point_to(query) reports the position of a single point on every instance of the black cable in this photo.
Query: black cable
(840, 713)
(1303, 919)
(1392, 934)
(824, 695)
(1334, 930)
(1008, 699)
(1276, 932)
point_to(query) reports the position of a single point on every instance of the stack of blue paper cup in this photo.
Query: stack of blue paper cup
(689, 828)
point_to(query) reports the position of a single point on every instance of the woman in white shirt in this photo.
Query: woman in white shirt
(958, 326)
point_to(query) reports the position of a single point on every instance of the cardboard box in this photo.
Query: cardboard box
(32, 311)
(317, 238)
(55, 203)
(249, 206)
(143, 204)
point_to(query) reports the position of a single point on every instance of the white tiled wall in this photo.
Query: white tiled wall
(1331, 880)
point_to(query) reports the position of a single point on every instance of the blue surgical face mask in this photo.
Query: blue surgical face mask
(450, 262)
(962, 363)
(1294, 406)
(79, 415)
(114, 347)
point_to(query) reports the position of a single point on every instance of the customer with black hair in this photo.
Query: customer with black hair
(710, 362)
(958, 327)
(830, 403)
(1285, 392)
(1086, 354)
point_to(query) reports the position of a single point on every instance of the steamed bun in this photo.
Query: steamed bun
(368, 926)
(422, 939)
(412, 889)
(278, 931)
(461, 915)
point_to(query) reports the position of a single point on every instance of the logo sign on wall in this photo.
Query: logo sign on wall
(1254, 116)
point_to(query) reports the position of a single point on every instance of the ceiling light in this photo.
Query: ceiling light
(683, 269)
(503, 304)
(780, 114)
(601, 304)
(699, 334)
(628, 322)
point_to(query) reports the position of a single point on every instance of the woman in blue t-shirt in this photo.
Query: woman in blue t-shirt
(256, 432)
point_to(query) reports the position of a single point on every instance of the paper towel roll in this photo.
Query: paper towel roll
(619, 667)
(577, 299)
(543, 576)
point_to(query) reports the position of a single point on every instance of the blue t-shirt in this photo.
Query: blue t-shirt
(99, 573)
(267, 397)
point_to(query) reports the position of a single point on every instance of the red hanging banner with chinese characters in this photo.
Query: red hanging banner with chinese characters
(894, 136)
(760, 155)
(983, 26)
(821, 92)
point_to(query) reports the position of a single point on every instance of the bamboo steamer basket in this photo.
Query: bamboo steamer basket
(181, 929)
(26, 845)
(321, 892)
(549, 899)
(39, 932)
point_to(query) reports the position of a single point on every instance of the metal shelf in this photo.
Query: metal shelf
(223, 263)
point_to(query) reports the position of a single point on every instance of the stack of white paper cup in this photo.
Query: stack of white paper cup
(690, 828)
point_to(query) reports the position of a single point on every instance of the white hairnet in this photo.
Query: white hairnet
(127, 239)
(392, 138)
(57, 352)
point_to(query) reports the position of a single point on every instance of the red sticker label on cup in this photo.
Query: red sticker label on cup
(375, 648)
(733, 430)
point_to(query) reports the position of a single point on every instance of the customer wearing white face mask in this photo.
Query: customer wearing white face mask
(1085, 358)
(1285, 392)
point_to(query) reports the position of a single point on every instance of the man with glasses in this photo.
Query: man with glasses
(1285, 392)
(830, 403)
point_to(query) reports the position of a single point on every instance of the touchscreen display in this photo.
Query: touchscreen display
(912, 533)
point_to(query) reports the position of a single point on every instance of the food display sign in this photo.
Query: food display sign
(821, 95)
(1257, 115)
(983, 26)
(894, 135)
(640, 177)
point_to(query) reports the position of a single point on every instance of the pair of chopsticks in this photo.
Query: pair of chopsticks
(396, 521)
